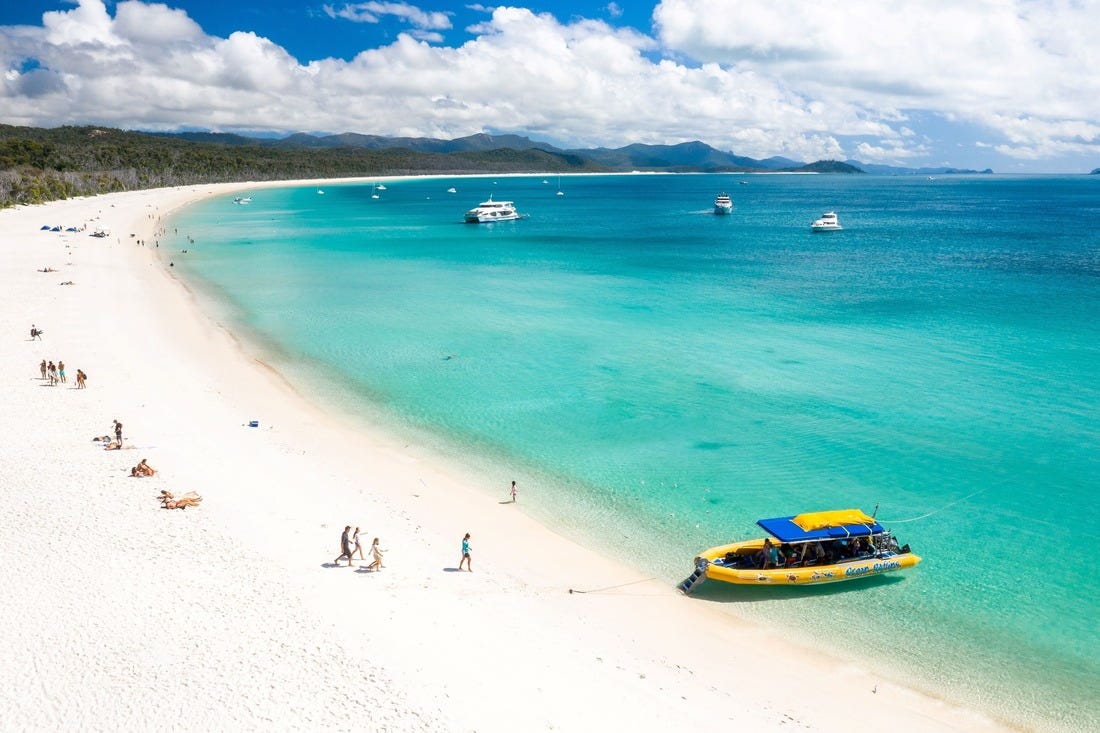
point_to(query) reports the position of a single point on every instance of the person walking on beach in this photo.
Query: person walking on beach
(376, 554)
(465, 553)
(61, 371)
(356, 547)
(118, 433)
(513, 492)
(80, 377)
(52, 371)
(345, 547)
(42, 368)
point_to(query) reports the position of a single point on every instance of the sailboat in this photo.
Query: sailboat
(560, 192)
(374, 191)
(381, 187)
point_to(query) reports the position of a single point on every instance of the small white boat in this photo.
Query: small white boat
(827, 223)
(374, 191)
(560, 192)
(242, 201)
(490, 211)
(320, 192)
(723, 204)
(381, 187)
(451, 190)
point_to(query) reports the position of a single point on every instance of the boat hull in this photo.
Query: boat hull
(484, 219)
(723, 210)
(810, 575)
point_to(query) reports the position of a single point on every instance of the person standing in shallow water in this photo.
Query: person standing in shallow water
(465, 553)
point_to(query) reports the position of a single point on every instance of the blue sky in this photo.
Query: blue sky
(1006, 84)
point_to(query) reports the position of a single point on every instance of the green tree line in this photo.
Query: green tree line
(38, 164)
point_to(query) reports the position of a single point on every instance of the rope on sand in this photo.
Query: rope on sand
(611, 587)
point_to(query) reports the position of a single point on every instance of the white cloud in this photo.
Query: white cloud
(759, 78)
(1024, 68)
(373, 12)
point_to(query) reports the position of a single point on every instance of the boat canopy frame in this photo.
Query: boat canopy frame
(819, 526)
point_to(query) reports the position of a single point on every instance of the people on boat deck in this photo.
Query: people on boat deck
(771, 555)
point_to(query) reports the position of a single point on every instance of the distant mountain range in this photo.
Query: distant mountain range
(685, 157)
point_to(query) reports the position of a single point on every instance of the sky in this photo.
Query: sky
(1012, 85)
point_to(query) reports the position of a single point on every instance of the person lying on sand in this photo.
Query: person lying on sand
(169, 501)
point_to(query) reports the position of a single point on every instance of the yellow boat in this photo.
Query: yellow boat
(812, 548)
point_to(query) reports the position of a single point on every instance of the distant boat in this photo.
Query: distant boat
(243, 201)
(744, 183)
(723, 204)
(545, 181)
(373, 191)
(320, 192)
(560, 192)
(490, 211)
(451, 190)
(381, 187)
(827, 223)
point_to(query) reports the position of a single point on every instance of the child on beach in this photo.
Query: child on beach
(376, 553)
(466, 553)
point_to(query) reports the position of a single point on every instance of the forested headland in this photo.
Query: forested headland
(38, 165)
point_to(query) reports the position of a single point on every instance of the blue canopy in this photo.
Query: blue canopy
(785, 530)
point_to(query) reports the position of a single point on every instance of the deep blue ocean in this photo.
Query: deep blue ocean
(657, 378)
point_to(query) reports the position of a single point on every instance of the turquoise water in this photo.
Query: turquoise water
(657, 378)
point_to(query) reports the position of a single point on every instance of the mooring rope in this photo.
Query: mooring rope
(934, 511)
(611, 587)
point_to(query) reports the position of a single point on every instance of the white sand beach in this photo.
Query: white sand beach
(119, 614)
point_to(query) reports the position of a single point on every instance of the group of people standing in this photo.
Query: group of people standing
(55, 373)
(349, 545)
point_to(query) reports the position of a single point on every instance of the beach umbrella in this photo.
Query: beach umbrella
(45, 227)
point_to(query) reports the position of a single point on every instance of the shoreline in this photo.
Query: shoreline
(436, 638)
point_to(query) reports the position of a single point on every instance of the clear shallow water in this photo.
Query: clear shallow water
(657, 378)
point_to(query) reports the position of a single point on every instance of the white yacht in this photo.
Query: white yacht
(452, 189)
(827, 223)
(723, 204)
(381, 187)
(242, 201)
(488, 211)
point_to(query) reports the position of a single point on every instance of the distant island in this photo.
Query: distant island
(43, 164)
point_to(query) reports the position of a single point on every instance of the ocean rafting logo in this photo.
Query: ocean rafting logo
(879, 567)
